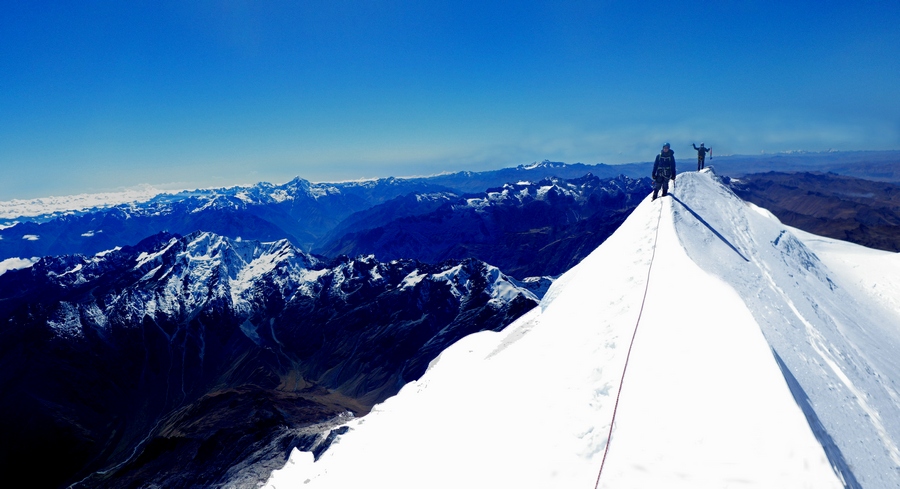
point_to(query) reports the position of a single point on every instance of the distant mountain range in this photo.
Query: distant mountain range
(307, 214)
(298, 211)
(529, 228)
(474, 182)
(535, 230)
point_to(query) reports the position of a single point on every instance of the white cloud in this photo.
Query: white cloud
(16, 264)
(47, 205)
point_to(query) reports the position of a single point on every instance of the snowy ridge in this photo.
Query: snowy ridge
(838, 341)
(763, 358)
(180, 276)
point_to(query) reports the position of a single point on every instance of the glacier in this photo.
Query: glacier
(703, 345)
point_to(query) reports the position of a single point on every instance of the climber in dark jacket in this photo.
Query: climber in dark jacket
(663, 170)
(701, 155)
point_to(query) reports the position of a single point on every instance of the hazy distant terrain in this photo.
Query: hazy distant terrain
(870, 165)
(860, 211)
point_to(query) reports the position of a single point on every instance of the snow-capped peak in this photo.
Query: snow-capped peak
(717, 346)
(543, 164)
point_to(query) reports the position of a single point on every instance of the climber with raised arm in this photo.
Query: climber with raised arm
(701, 155)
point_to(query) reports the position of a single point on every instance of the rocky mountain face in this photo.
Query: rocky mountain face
(197, 360)
(527, 228)
(860, 211)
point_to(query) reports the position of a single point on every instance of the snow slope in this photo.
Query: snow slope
(830, 324)
(756, 362)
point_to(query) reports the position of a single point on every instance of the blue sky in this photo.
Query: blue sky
(97, 96)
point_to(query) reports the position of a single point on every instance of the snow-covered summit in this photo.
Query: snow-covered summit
(757, 356)
(543, 164)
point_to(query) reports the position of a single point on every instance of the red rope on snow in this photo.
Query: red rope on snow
(628, 356)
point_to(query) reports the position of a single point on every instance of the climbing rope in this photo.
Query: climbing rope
(630, 346)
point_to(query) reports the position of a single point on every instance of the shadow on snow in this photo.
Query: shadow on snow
(703, 221)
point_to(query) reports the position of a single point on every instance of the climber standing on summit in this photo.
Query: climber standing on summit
(663, 170)
(701, 155)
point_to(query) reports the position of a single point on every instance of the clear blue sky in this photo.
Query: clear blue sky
(100, 95)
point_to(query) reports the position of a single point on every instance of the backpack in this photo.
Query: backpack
(664, 169)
